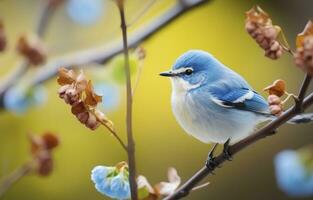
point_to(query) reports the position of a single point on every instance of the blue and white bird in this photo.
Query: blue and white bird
(213, 103)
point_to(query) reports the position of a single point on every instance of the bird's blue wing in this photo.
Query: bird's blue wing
(241, 98)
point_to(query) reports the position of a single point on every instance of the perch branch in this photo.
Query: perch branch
(129, 102)
(267, 130)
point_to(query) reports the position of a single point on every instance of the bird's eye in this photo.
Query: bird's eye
(188, 71)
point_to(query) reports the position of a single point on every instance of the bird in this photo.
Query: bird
(213, 103)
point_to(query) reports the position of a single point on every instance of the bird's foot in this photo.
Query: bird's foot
(226, 152)
(211, 163)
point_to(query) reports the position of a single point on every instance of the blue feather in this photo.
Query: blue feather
(242, 98)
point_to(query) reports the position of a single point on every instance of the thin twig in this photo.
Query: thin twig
(200, 186)
(115, 135)
(45, 14)
(267, 130)
(141, 13)
(130, 138)
(12, 178)
(287, 49)
(138, 75)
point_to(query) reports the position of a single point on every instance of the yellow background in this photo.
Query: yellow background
(217, 27)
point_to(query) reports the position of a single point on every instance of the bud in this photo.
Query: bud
(92, 122)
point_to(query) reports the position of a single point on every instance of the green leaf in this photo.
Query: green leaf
(143, 192)
(118, 64)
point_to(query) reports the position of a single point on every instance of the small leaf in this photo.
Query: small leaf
(145, 190)
(81, 82)
(173, 175)
(118, 65)
(308, 30)
(277, 88)
(66, 76)
(168, 188)
(92, 99)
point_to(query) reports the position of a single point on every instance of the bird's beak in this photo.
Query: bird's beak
(168, 74)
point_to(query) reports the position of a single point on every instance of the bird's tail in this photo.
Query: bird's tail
(302, 118)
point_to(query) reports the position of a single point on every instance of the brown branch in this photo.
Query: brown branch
(106, 52)
(12, 178)
(129, 102)
(303, 89)
(45, 14)
(124, 146)
(268, 130)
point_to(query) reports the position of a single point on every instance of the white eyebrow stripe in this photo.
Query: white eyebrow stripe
(180, 70)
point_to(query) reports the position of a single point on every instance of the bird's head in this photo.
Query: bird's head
(193, 69)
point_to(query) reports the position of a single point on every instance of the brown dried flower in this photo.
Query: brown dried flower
(79, 93)
(276, 105)
(32, 49)
(259, 26)
(161, 189)
(41, 149)
(278, 88)
(304, 54)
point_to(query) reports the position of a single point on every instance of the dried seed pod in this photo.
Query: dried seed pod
(92, 122)
(260, 27)
(83, 117)
(273, 100)
(80, 94)
(78, 107)
(304, 55)
(276, 109)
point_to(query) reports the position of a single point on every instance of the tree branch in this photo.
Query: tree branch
(9, 180)
(303, 89)
(106, 52)
(267, 130)
(45, 14)
(129, 102)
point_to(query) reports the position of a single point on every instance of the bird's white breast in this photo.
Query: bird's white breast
(209, 122)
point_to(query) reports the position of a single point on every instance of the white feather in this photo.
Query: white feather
(213, 123)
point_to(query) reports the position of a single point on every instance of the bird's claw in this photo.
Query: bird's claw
(210, 163)
(226, 152)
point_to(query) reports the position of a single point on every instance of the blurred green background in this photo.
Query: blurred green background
(217, 27)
